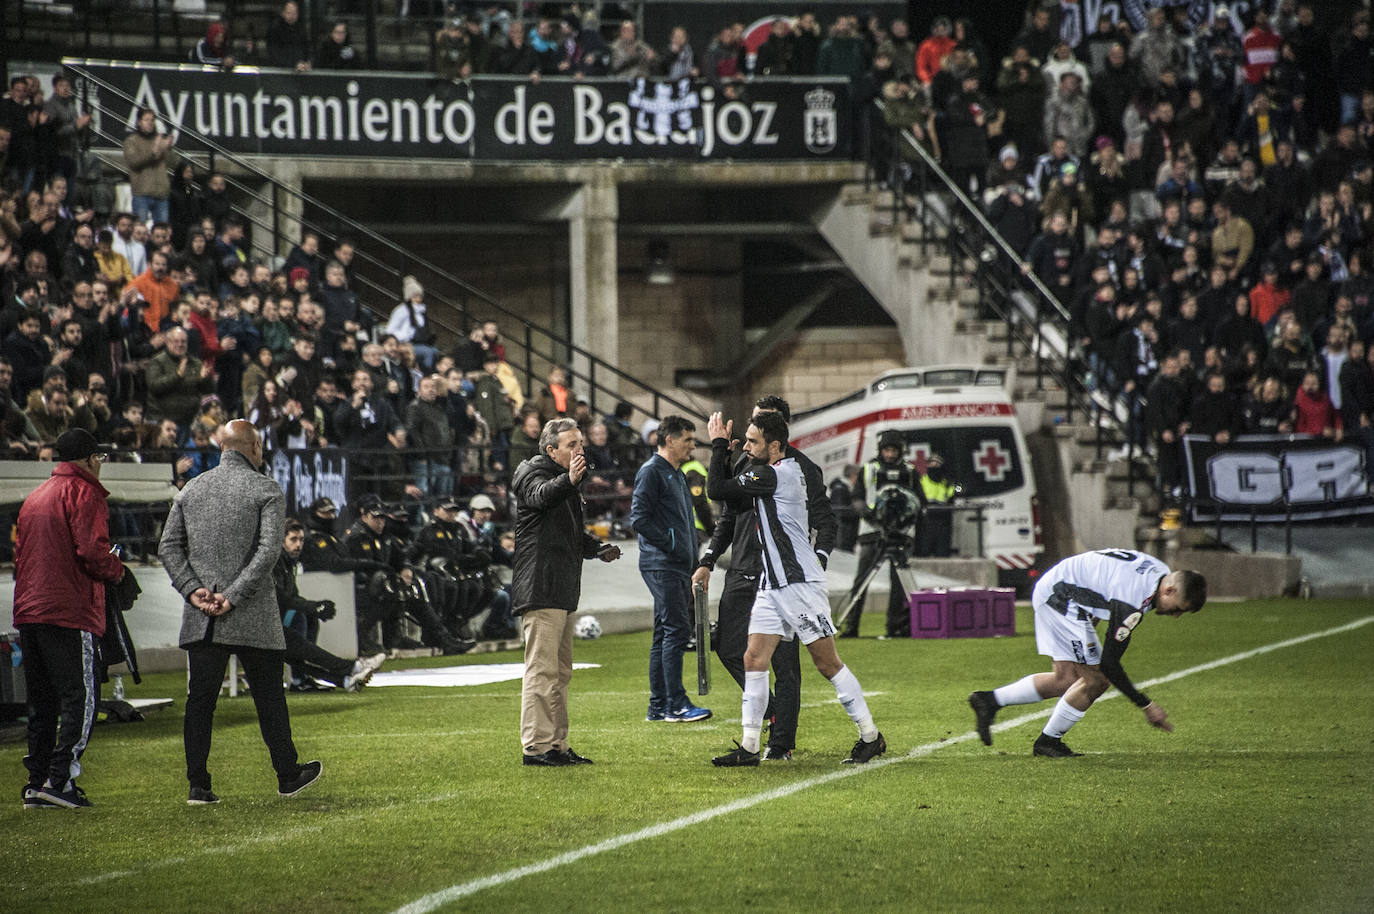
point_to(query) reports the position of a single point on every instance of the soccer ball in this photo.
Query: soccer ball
(587, 628)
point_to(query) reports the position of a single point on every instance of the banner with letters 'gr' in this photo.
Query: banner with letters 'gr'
(1276, 477)
(409, 116)
(306, 474)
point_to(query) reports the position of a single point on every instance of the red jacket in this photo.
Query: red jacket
(930, 55)
(1261, 53)
(1315, 413)
(1267, 300)
(62, 553)
(209, 337)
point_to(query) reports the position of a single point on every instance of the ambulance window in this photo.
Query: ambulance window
(983, 460)
(897, 382)
(991, 378)
(949, 377)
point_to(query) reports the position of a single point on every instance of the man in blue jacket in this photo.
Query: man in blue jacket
(661, 513)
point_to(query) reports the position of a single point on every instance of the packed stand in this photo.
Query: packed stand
(1196, 195)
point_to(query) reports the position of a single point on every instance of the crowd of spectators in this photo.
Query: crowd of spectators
(1197, 194)
(552, 39)
(151, 329)
(1198, 199)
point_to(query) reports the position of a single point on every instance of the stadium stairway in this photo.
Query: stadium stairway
(1087, 499)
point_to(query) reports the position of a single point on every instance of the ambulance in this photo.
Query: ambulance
(963, 413)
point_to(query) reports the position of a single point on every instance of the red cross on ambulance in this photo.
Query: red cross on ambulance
(992, 461)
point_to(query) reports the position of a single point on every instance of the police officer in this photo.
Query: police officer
(695, 471)
(875, 544)
(934, 538)
(842, 500)
(702, 520)
(395, 592)
(324, 552)
(442, 551)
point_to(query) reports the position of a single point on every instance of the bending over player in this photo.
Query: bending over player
(1118, 586)
(791, 601)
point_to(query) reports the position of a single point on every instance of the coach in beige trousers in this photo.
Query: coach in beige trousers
(551, 544)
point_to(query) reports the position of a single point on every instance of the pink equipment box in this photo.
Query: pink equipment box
(963, 612)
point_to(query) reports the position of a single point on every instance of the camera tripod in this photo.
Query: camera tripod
(896, 553)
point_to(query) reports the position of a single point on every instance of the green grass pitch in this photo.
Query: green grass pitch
(1260, 801)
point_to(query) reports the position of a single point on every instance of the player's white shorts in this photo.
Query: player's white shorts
(1065, 637)
(800, 611)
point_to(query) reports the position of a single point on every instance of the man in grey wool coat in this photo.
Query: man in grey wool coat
(220, 542)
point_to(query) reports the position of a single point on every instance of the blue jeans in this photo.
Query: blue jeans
(434, 476)
(150, 206)
(425, 356)
(308, 627)
(672, 631)
(500, 617)
(500, 450)
(1350, 109)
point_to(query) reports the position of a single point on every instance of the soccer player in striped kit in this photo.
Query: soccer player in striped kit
(791, 601)
(1117, 586)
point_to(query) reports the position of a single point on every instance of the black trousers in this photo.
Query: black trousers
(375, 604)
(262, 668)
(732, 632)
(446, 595)
(309, 658)
(898, 615)
(59, 673)
(935, 535)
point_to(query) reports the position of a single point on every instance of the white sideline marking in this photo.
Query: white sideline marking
(469, 675)
(434, 900)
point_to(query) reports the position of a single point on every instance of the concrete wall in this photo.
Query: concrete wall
(1249, 576)
(692, 323)
(823, 364)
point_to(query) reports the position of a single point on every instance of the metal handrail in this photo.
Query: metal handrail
(596, 364)
(1104, 409)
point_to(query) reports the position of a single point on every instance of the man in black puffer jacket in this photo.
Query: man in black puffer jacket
(550, 546)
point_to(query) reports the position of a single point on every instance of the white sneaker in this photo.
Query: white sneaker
(361, 675)
(374, 662)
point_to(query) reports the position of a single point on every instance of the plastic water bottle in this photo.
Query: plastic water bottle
(118, 691)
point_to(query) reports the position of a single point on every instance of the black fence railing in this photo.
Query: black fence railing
(403, 479)
(157, 30)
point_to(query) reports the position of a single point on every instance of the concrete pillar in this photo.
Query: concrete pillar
(593, 282)
(287, 212)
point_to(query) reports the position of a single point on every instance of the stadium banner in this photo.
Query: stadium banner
(306, 474)
(1276, 477)
(254, 111)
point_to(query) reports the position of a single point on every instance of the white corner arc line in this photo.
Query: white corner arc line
(453, 893)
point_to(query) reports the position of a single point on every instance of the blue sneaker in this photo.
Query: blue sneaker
(654, 715)
(68, 795)
(688, 714)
